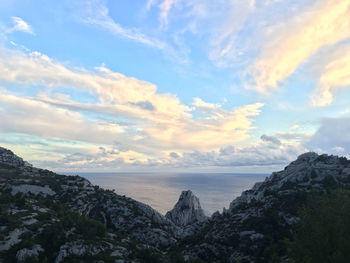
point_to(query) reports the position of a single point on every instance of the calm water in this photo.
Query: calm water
(161, 191)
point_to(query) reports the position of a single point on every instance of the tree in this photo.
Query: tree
(323, 233)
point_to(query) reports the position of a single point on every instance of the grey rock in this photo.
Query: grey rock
(8, 157)
(34, 189)
(241, 231)
(23, 254)
(187, 210)
(237, 234)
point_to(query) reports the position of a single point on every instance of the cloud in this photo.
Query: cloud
(174, 155)
(149, 4)
(263, 153)
(191, 10)
(19, 25)
(146, 105)
(112, 89)
(154, 124)
(259, 154)
(332, 135)
(294, 127)
(95, 158)
(293, 136)
(291, 44)
(95, 12)
(212, 132)
(270, 139)
(335, 75)
(207, 108)
(338, 149)
(182, 133)
(198, 103)
(225, 41)
(165, 8)
(28, 116)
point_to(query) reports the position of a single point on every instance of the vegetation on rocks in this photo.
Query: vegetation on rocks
(323, 232)
(300, 214)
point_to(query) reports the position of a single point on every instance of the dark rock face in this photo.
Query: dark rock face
(187, 210)
(8, 157)
(39, 206)
(253, 228)
(49, 217)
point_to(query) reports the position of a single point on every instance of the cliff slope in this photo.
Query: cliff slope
(257, 222)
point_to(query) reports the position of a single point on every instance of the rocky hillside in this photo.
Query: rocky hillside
(46, 217)
(51, 218)
(8, 157)
(257, 222)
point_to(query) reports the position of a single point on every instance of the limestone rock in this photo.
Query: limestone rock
(264, 215)
(125, 230)
(187, 210)
(25, 253)
(8, 157)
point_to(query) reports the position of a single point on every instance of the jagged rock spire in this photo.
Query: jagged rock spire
(187, 210)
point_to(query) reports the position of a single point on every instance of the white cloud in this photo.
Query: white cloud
(270, 139)
(165, 8)
(213, 110)
(272, 39)
(95, 12)
(29, 116)
(332, 135)
(184, 133)
(19, 25)
(93, 158)
(292, 137)
(212, 132)
(154, 123)
(262, 153)
(294, 127)
(112, 88)
(291, 44)
(199, 103)
(225, 41)
(190, 10)
(338, 149)
(335, 75)
(150, 3)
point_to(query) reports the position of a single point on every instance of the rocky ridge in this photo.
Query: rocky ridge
(253, 227)
(55, 218)
(38, 205)
(8, 157)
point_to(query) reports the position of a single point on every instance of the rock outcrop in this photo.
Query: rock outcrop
(40, 203)
(47, 217)
(253, 227)
(309, 171)
(187, 210)
(9, 158)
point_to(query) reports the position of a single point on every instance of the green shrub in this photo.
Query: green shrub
(323, 233)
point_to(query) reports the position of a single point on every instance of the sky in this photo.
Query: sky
(174, 85)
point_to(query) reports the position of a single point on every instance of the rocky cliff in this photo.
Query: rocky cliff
(187, 210)
(8, 157)
(257, 222)
(46, 217)
(51, 217)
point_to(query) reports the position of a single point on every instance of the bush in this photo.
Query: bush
(323, 233)
(148, 255)
(176, 257)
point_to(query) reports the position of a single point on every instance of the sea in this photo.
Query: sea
(162, 190)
